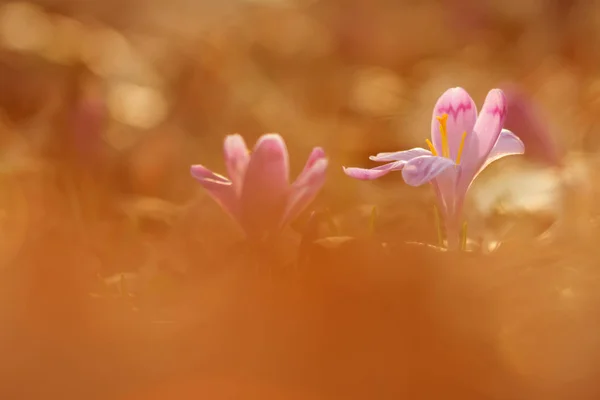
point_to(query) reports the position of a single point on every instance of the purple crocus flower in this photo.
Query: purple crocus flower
(462, 144)
(257, 193)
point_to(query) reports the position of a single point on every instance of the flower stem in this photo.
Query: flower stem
(453, 234)
(373, 221)
(438, 226)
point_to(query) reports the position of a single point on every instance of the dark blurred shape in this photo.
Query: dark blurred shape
(466, 16)
(310, 233)
(26, 86)
(527, 121)
(88, 118)
(114, 13)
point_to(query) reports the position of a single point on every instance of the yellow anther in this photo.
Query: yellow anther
(461, 147)
(444, 134)
(431, 148)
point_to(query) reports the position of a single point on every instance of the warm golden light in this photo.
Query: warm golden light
(149, 253)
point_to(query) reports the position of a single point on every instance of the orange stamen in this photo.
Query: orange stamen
(444, 134)
(431, 148)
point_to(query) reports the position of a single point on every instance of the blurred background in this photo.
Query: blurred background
(108, 243)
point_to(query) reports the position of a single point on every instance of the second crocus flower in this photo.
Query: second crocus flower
(257, 193)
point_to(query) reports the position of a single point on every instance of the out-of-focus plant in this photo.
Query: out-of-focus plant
(462, 144)
(527, 121)
(257, 193)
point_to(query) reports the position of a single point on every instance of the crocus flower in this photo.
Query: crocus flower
(257, 193)
(462, 144)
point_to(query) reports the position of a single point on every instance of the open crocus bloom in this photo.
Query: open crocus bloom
(258, 194)
(462, 144)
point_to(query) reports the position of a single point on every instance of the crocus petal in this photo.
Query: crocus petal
(203, 174)
(508, 144)
(315, 155)
(266, 187)
(304, 190)
(423, 169)
(367, 174)
(219, 188)
(237, 158)
(398, 158)
(489, 124)
(405, 155)
(462, 114)
(445, 188)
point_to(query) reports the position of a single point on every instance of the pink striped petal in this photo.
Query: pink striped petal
(266, 186)
(237, 158)
(219, 188)
(304, 190)
(508, 144)
(366, 174)
(423, 169)
(485, 134)
(404, 155)
(462, 114)
(489, 124)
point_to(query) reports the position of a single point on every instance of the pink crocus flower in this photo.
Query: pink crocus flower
(462, 144)
(257, 193)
